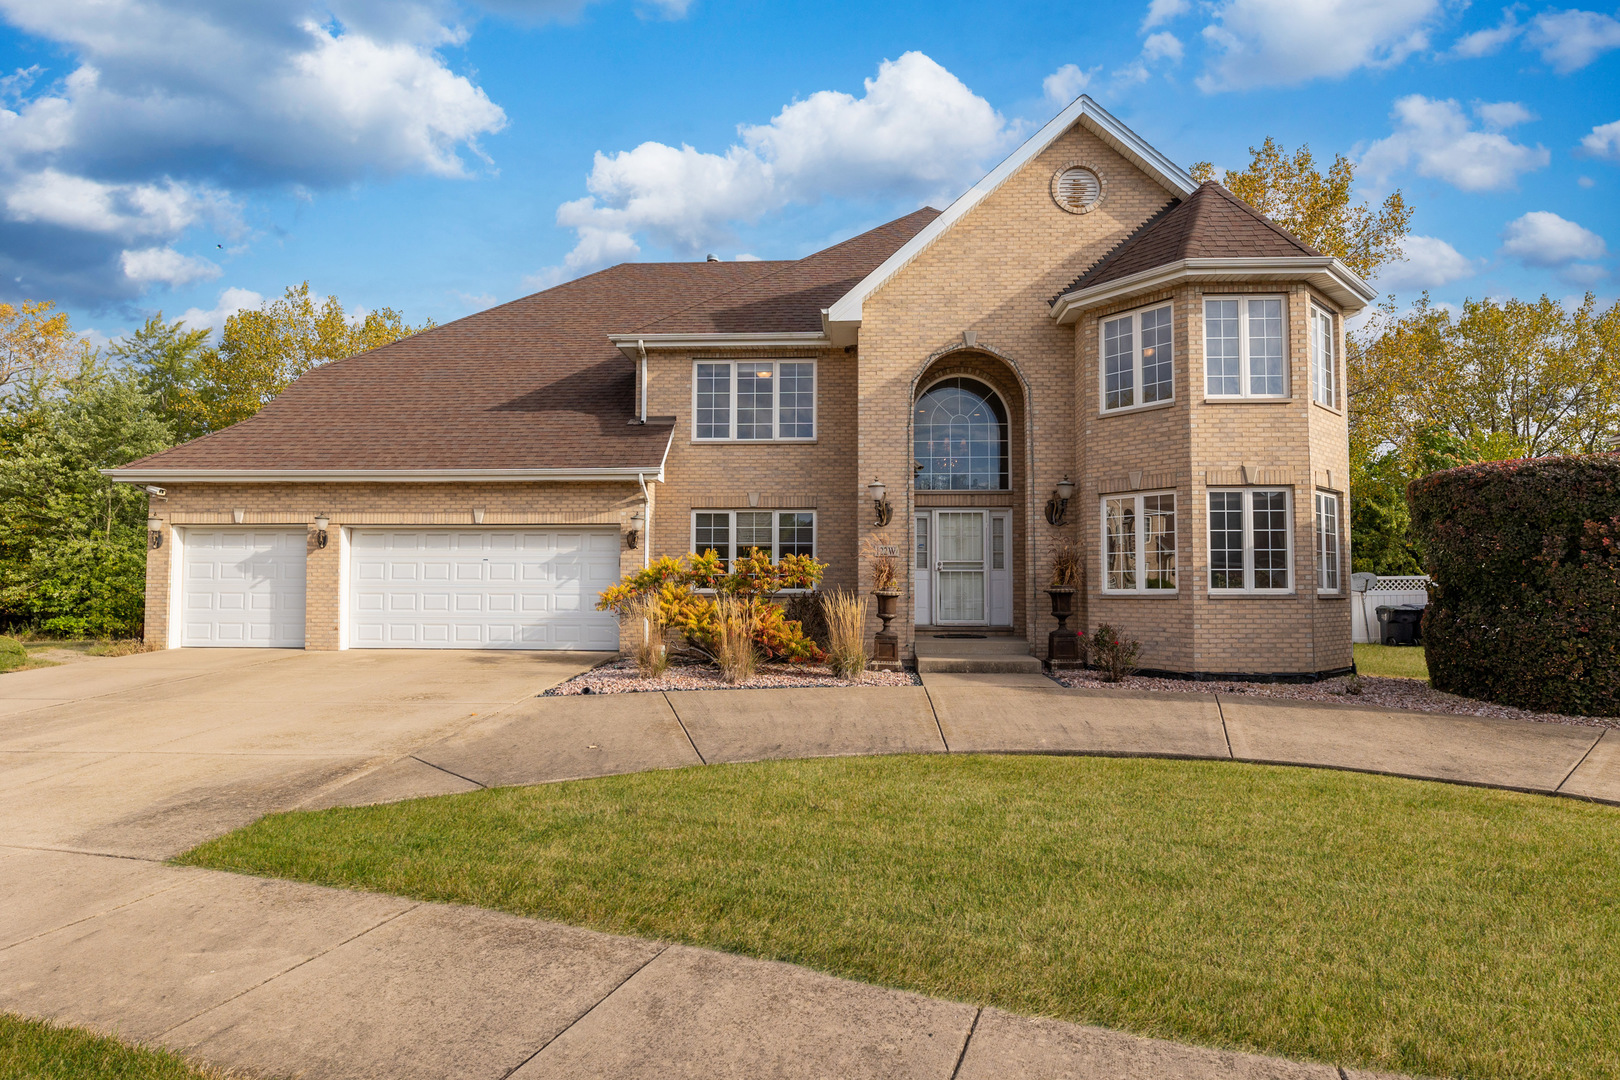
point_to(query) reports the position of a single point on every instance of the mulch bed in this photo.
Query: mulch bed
(620, 677)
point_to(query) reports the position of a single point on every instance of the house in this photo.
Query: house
(1086, 348)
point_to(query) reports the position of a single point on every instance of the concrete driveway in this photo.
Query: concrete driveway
(148, 755)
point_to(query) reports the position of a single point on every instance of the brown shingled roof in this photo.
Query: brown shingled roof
(533, 384)
(1210, 223)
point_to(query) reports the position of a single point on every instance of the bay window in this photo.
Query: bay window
(753, 400)
(1139, 543)
(1327, 542)
(1249, 541)
(1243, 347)
(1324, 369)
(1138, 359)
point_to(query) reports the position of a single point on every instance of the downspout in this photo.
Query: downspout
(646, 511)
(641, 347)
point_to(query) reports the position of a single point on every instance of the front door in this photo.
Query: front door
(959, 567)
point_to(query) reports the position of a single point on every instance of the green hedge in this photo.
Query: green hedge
(1524, 607)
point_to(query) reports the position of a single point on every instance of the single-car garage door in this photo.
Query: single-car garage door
(497, 589)
(243, 588)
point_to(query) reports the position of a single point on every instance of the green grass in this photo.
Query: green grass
(1393, 661)
(12, 654)
(1391, 924)
(33, 1050)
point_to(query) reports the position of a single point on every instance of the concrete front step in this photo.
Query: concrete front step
(998, 655)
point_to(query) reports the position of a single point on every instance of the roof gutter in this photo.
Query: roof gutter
(1341, 284)
(635, 346)
(153, 474)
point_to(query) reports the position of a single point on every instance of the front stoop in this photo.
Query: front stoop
(997, 654)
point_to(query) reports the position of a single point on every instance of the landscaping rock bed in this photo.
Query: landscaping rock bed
(620, 677)
(1376, 692)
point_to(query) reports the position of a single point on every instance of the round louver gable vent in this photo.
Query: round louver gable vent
(1076, 189)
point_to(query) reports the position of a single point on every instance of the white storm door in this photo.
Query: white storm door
(959, 567)
(496, 589)
(243, 588)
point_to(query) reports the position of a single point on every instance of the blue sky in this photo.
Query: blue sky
(439, 157)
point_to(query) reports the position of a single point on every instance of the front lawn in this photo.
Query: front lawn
(1392, 661)
(34, 1050)
(1392, 924)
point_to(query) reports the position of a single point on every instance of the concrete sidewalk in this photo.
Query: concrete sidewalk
(284, 978)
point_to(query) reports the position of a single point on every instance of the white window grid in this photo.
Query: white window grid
(1251, 541)
(1329, 526)
(1246, 347)
(754, 400)
(735, 532)
(1139, 544)
(1324, 362)
(1136, 359)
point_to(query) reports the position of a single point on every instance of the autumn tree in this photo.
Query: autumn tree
(263, 350)
(1320, 209)
(36, 343)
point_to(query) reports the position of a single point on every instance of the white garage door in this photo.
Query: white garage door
(501, 589)
(243, 587)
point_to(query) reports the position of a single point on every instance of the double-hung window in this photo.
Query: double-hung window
(733, 533)
(1327, 542)
(1243, 347)
(1249, 541)
(753, 400)
(1138, 359)
(1324, 369)
(1139, 543)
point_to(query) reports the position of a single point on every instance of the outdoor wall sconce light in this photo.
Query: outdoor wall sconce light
(321, 522)
(637, 521)
(880, 505)
(1057, 507)
(154, 533)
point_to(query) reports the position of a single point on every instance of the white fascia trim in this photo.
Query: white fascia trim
(1330, 275)
(633, 344)
(379, 476)
(842, 321)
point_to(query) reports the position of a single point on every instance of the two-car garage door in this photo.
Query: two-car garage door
(500, 589)
(407, 588)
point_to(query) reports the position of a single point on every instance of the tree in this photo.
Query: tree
(35, 345)
(262, 351)
(167, 356)
(1319, 209)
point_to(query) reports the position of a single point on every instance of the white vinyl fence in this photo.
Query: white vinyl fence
(1369, 592)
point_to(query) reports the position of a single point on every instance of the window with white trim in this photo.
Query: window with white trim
(730, 533)
(1327, 542)
(1139, 543)
(1138, 359)
(753, 400)
(1324, 369)
(1244, 354)
(1249, 541)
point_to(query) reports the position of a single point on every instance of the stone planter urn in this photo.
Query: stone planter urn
(886, 644)
(1063, 644)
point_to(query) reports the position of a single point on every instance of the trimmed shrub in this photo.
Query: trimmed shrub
(1524, 606)
(12, 654)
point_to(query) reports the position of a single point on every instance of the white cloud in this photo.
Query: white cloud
(166, 266)
(917, 133)
(1603, 141)
(1438, 138)
(1285, 42)
(1501, 115)
(170, 108)
(230, 302)
(1542, 238)
(1162, 46)
(1430, 263)
(1569, 40)
(1489, 41)
(1162, 11)
(1066, 83)
(743, 256)
(1586, 181)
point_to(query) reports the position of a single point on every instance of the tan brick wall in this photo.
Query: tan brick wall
(360, 505)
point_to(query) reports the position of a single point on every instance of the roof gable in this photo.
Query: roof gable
(843, 317)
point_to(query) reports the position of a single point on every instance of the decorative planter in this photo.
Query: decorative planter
(1063, 644)
(886, 644)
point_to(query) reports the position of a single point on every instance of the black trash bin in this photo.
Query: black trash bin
(1401, 624)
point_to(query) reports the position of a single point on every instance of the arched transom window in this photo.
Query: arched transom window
(961, 438)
